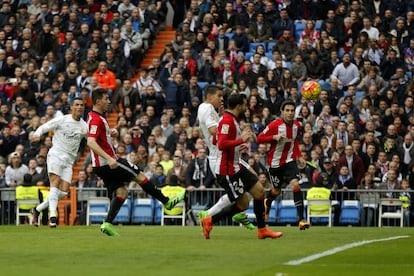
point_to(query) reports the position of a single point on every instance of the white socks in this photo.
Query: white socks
(222, 203)
(53, 201)
(45, 204)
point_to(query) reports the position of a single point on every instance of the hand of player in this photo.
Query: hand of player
(112, 163)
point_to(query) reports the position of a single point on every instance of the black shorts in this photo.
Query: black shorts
(285, 173)
(118, 177)
(236, 185)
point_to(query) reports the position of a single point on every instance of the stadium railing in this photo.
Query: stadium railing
(368, 214)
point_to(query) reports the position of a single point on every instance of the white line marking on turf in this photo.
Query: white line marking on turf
(339, 249)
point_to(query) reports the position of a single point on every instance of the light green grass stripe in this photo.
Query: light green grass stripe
(339, 249)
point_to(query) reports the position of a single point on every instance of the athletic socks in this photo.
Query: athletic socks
(298, 199)
(53, 201)
(230, 210)
(259, 211)
(45, 204)
(221, 204)
(116, 204)
(149, 188)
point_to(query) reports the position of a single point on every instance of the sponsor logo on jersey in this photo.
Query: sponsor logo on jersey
(225, 129)
(93, 129)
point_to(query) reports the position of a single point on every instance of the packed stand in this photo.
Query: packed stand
(52, 52)
(359, 131)
(361, 54)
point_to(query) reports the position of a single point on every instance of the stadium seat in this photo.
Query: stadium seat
(318, 25)
(298, 33)
(143, 211)
(360, 95)
(124, 214)
(299, 29)
(270, 46)
(202, 84)
(287, 212)
(229, 35)
(300, 26)
(25, 213)
(350, 212)
(248, 55)
(97, 209)
(319, 211)
(341, 52)
(269, 55)
(391, 208)
(288, 64)
(181, 215)
(253, 46)
(157, 212)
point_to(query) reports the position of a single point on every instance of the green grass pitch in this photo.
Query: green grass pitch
(176, 250)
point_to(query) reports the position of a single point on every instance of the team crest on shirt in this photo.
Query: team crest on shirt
(225, 129)
(266, 129)
(214, 116)
(93, 129)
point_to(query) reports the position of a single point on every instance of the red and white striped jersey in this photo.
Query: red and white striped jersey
(228, 142)
(287, 149)
(99, 129)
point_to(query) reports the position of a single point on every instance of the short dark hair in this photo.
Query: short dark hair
(211, 89)
(98, 94)
(285, 103)
(235, 99)
(75, 99)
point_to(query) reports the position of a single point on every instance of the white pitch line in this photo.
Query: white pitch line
(339, 249)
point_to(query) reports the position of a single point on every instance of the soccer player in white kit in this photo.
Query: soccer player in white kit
(69, 130)
(208, 119)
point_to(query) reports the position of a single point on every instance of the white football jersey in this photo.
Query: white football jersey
(208, 117)
(67, 136)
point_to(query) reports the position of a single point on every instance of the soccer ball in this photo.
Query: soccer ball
(311, 90)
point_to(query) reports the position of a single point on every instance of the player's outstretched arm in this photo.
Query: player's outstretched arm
(93, 145)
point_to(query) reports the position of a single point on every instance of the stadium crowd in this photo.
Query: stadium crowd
(360, 130)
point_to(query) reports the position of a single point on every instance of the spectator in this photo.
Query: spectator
(176, 172)
(282, 24)
(240, 38)
(259, 31)
(372, 32)
(90, 64)
(158, 177)
(315, 68)
(346, 72)
(249, 15)
(177, 93)
(15, 170)
(390, 64)
(372, 78)
(106, 79)
(134, 40)
(198, 177)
